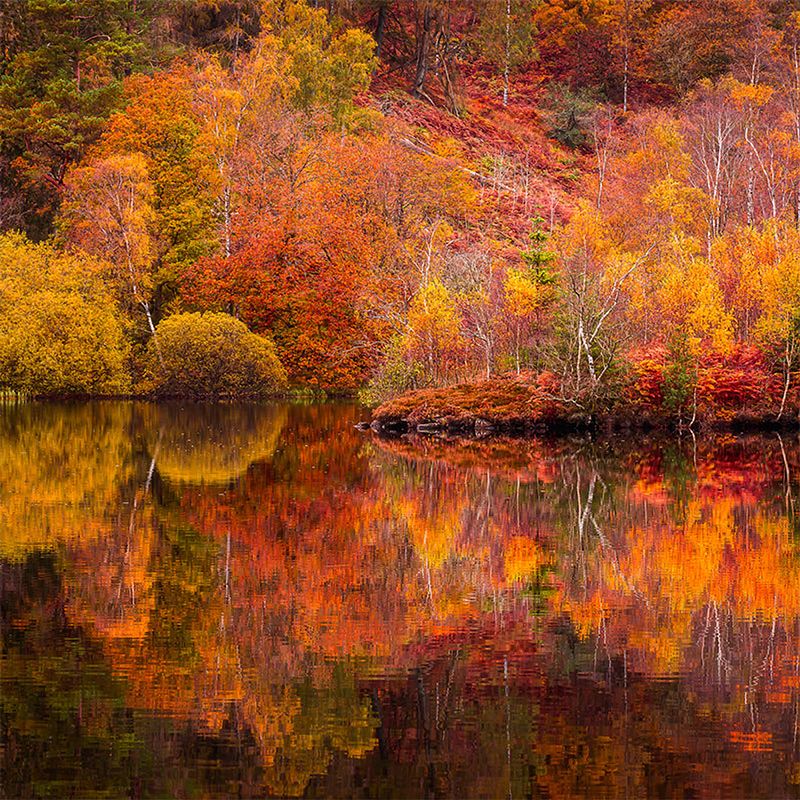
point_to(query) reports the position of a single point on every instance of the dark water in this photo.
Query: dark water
(240, 601)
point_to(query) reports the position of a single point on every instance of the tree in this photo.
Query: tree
(63, 61)
(506, 36)
(435, 51)
(626, 18)
(433, 328)
(596, 273)
(228, 104)
(680, 376)
(569, 113)
(109, 213)
(324, 67)
(159, 123)
(691, 41)
(530, 291)
(778, 327)
(60, 331)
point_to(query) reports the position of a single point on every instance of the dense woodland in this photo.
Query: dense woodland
(601, 197)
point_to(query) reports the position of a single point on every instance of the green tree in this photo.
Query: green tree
(506, 36)
(325, 67)
(680, 377)
(531, 290)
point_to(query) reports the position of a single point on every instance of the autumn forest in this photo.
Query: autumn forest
(400, 398)
(593, 203)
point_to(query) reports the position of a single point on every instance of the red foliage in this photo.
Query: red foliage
(505, 400)
(739, 382)
(646, 388)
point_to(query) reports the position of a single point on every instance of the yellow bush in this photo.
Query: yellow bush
(60, 331)
(212, 356)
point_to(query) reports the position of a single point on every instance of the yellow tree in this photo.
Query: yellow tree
(778, 286)
(433, 332)
(60, 331)
(228, 105)
(689, 295)
(108, 212)
(596, 274)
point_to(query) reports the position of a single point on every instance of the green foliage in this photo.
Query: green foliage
(325, 67)
(567, 113)
(680, 375)
(60, 331)
(538, 257)
(211, 356)
(398, 374)
(61, 67)
(506, 33)
(160, 125)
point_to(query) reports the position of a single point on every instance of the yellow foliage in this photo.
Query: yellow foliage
(212, 356)
(433, 321)
(749, 94)
(59, 329)
(683, 205)
(688, 294)
(524, 295)
(778, 290)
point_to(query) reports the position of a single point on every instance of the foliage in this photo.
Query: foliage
(680, 376)
(567, 114)
(262, 160)
(503, 401)
(398, 374)
(433, 326)
(506, 36)
(62, 66)
(213, 356)
(60, 331)
(325, 67)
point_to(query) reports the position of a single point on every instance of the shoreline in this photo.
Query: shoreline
(300, 395)
(481, 427)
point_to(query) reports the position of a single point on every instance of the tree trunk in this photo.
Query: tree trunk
(423, 50)
(626, 59)
(787, 377)
(148, 314)
(380, 25)
(507, 62)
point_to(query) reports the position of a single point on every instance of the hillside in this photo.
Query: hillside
(396, 195)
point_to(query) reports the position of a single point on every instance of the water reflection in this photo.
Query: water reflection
(245, 600)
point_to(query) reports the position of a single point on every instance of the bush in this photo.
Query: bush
(398, 374)
(210, 356)
(60, 331)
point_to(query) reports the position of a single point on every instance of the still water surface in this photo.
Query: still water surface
(250, 601)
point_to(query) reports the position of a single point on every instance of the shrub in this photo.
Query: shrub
(60, 331)
(398, 374)
(209, 356)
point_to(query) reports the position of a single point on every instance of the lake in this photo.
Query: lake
(214, 601)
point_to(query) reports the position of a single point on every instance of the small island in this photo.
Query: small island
(733, 391)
